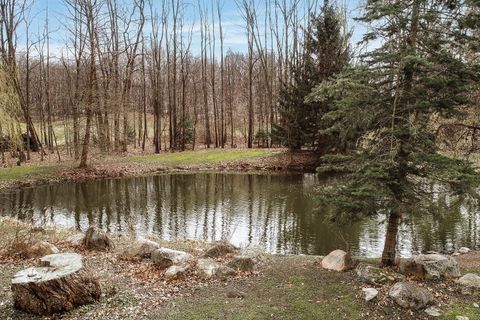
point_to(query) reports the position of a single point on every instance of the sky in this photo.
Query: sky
(233, 24)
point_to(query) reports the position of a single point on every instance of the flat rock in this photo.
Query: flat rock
(433, 311)
(61, 283)
(470, 280)
(97, 239)
(255, 252)
(207, 267)
(220, 249)
(464, 250)
(370, 293)
(176, 271)
(410, 296)
(338, 260)
(376, 276)
(234, 293)
(436, 266)
(165, 257)
(241, 263)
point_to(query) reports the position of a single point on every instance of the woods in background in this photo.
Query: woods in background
(138, 73)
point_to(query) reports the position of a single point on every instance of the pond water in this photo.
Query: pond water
(277, 212)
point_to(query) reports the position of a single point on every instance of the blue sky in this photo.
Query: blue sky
(233, 24)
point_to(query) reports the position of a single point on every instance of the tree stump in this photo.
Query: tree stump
(61, 283)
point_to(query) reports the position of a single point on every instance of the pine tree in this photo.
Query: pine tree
(383, 110)
(326, 53)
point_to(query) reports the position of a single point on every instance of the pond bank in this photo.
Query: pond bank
(252, 160)
(282, 287)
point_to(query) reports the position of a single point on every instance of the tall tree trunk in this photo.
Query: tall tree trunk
(390, 247)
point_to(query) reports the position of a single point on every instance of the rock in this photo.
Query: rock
(338, 260)
(220, 249)
(234, 293)
(433, 312)
(97, 239)
(207, 267)
(242, 263)
(461, 318)
(463, 250)
(176, 272)
(141, 249)
(470, 280)
(475, 305)
(60, 284)
(376, 276)
(436, 266)
(165, 257)
(224, 271)
(370, 293)
(255, 252)
(409, 295)
(37, 249)
(410, 268)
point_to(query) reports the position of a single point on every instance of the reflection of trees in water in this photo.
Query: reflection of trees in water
(276, 211)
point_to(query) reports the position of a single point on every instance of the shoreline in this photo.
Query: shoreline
(268, 161)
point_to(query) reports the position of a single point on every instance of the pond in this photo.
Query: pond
(278, 212)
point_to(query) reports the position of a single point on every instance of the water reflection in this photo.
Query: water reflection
(275, 211)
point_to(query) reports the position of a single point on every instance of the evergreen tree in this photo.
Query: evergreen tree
(326, 53)
(383, 110)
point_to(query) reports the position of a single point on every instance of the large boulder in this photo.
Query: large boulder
(140, 249)
(97, 239)
(436, 266)
(376, 276)
(220, 249)
(255, 252)
(37, 249)
(165, 257)
(338, 260)
(410, 296)
(470, 280)
(207, 267)
(61, 283)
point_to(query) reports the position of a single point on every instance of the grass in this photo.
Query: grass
(214, 156)
(51, 171)
(29, 171)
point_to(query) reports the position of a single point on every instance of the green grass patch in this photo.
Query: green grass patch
(27, 172)
(202, 157)
(462, 310)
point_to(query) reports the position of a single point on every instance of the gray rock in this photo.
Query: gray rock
(436, 266)
(234, 293)
(255, 252)
(370, 293)
(141, 249)
(207, 267)
(242, 263)
(376, 276)
(461, 318)
(433, 312)
(410, 296)
(97, 239)
(37, 249)
(220, 249)
(176, 271)
(165, 257)
(475, 305)
(338, 260)
(464, 250)
(470, 280)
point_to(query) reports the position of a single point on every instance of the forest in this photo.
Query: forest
(320, 154)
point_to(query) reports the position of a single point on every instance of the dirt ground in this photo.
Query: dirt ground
(281, 287)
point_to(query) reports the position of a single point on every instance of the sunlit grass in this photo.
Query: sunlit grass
(202, 157)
